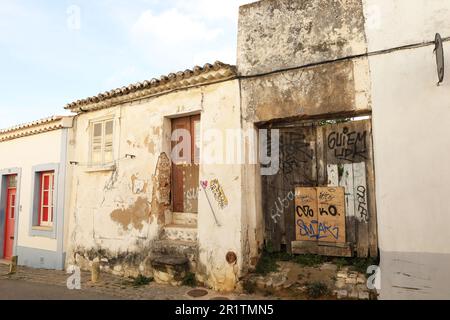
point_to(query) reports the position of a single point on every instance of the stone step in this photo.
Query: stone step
(188, 219)
(175, 247)
(170, 269)
(180, 232)
(186, 249)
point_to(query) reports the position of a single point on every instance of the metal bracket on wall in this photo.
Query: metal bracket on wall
(210, 205)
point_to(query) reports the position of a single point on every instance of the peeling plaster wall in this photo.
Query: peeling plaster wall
(221, 112)
(253, 222)
(411, 117)
(340, 87)
(286, 57)
(113, 212)
(280, 34)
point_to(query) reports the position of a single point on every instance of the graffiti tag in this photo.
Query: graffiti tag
(348, 145)
(361, 195)
(281, 205)
(219, 194)
(317, 230)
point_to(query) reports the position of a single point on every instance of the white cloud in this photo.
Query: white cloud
(171, 28)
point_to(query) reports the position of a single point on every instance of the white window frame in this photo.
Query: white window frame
(50, 205)
(12, 206)
(103, 123)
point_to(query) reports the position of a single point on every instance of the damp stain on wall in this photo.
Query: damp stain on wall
(151, 146)
(134, 215)
(138, 186)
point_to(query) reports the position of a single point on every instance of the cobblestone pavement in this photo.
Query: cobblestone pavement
(109, 287)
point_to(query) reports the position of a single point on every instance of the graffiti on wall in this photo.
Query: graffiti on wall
(295, 151)
(353, 178)
(191, 194)
(316, 230)
(280, 206)
(218, 193)
(306, 209)
(362, 209)
(348, 145)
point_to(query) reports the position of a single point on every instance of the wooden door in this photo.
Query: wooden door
(348, 162)
(185, 171)
(337, 156)
(297, 168)
(10, 216)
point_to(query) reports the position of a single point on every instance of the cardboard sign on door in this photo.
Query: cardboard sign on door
(306, 213)
(320, 214)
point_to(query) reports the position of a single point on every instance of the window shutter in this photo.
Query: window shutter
(46, 202)
(97, 133)
(109, 133)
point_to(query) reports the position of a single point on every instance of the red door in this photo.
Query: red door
(10, 215)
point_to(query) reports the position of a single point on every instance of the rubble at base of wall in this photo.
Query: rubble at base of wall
(123, 265)
(299, 282)
(142, 263)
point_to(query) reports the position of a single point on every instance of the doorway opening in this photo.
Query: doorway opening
(185, 179)
(322, 200)
(10, 211)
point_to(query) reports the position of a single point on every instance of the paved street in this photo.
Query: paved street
(22, 290)
(38, 284)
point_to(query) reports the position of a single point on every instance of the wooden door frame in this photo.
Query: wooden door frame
(10, 221)
(371, 249)
(192, 118)
(3, 202)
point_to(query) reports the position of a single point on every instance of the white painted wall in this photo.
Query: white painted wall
(396, 23)
(25, 153)
(411, 126)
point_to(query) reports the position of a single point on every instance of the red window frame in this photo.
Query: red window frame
(49, 204)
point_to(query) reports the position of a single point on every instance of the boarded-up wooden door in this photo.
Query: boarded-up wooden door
(332, 155)
(348, 161)
(297, 168)
(185, 177)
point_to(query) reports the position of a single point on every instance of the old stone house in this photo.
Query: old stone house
(134, 209)
(343, 95)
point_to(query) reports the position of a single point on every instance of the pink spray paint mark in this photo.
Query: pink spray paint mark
(204, 184)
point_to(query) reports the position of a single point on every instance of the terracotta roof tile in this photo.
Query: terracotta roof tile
(34, 127)
(209, 73)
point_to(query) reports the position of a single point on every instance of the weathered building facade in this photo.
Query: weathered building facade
(137, 211)
(302, 67)
(411, 117)
(34, 184)
(344, 87)
(303, 61)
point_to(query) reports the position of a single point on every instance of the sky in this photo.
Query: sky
(55, 52)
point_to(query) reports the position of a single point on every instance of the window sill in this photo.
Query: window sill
(101, 168)
(46, 229)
